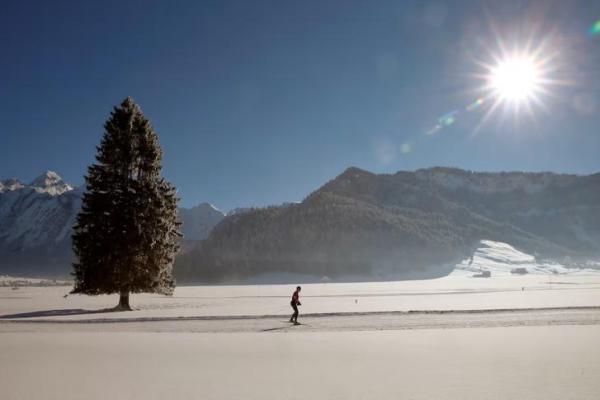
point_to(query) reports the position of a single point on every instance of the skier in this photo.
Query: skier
(295, 303)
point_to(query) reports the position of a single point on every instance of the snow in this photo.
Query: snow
(50, 182)
(545, 285)
(214, 208)
(472, 339)
(501, 258)
(454, 292)
(30, 218)
(39, 214)
(536, 363)
(10, 185)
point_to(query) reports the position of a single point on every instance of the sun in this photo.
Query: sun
(511, 79)
(516, 79)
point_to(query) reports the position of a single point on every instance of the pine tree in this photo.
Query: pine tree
(126, 234)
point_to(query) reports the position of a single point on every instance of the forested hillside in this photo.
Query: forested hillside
(402, 225)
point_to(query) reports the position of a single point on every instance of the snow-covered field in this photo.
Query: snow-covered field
(543, 285)
(448, 293)
(540, 362)
(233, 342)
(509, 336)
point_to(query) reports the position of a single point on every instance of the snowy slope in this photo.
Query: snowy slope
(501, 258)
(39, 214)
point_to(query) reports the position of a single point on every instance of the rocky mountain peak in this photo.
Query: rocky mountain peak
(50, 182)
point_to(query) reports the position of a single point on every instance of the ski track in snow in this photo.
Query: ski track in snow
(321, 322)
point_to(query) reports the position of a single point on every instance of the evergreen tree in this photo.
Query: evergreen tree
(126, 234)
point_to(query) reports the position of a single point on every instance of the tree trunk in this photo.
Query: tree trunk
(124, 301)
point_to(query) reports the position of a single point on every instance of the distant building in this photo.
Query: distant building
(519, 271)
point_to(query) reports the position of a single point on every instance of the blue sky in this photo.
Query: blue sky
(261, 102)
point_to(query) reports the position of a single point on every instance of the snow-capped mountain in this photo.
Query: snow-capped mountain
(36, 222)
(38, 214)
(198, 221)
(49, 182)
(10, 184)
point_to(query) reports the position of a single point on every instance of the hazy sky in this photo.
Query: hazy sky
(261, 102)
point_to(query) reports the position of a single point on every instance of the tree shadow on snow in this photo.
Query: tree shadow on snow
(59, 313)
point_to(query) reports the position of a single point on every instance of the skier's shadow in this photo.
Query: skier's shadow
(54, 313)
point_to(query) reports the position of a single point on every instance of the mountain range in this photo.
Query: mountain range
(36, 220)
(362, 225)
(359, 225)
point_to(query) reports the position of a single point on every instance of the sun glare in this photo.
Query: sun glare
(516, 79)
(513, 78)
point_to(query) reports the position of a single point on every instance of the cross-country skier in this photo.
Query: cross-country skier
(295, 303)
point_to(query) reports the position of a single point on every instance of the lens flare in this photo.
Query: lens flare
(448, 118)
(595, 28)
(474, 105)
